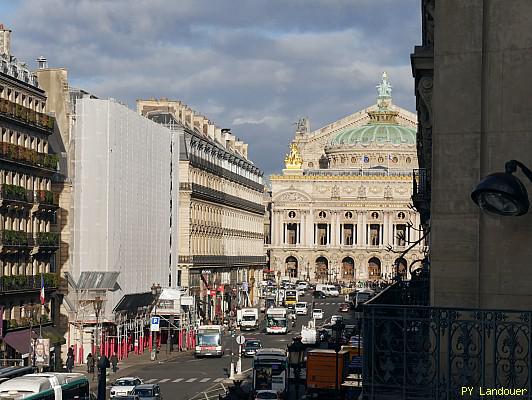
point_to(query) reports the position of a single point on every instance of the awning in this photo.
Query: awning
(132, 302)
(20, 341)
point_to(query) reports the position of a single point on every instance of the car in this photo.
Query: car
(266, 395)
(344, 307)
(301, 308)
(250, 347)
(150, 391)
(319, 295)
(336, 318)
(317, 313)
(124, 386)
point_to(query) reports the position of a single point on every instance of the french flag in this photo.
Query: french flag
(42, 290)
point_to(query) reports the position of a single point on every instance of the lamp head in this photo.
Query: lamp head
(502, 193)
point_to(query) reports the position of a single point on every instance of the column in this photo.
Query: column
(416, 234)
(310, 227)
(390, 229)
(364, 229)
(285, 233)
(279, 229)
(334, 233)
(386, 237)
(381, 235)
(359, 229)
(328, 234)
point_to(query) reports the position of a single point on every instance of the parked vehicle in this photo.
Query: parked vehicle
(362, 296)
(317, 313)
(124, 386)
(329, 290)
(301, 308)
(248, 318)
(302, 286)
(266, 395)
(150, 391)
(209, 341)
(250, 347)
(321, 370)
(309, 334)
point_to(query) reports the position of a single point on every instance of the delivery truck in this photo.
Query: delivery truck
(248, 319)
(321, 367)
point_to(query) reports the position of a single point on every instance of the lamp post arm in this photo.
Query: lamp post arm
(511, 167)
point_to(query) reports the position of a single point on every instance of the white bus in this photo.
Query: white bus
(46, 386)
(270, 370)
(276, 320)
(209, 341)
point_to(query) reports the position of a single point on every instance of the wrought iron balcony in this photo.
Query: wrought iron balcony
(22, 115)
(13, 283)
(46, 198)
(47, 239)
(16, 194)
(11, 238)
(25, 156)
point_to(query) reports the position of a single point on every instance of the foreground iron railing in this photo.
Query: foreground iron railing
(420, 352)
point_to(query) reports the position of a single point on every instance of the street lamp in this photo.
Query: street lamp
(337, 328)
(31, 309)
(156, 292)
(296, 352)
(502, 193)
(97, 304)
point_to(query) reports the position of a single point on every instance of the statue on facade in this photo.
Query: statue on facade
(361, 191)
(335, 191)
(293, 159)
(384, 89)
(303, 126)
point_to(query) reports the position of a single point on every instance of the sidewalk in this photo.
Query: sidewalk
(132, 361)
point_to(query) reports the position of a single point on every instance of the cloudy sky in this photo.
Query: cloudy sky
(255, 66)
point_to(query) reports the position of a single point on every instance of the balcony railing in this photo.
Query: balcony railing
(27, 116)
(16, 193)
(421, 193)
(28, 282)
(47, 239)
(27, 156)
(16, 238)
(46, 197)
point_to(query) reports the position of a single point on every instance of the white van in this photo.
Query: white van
(329, 290)
(301, 308)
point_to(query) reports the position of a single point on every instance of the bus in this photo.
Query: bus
(270, 370)
(290, 298)
(209, 341)
(46, 386)
(276, 320)
(7, 373)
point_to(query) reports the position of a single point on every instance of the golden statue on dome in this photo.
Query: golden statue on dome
(293, 160)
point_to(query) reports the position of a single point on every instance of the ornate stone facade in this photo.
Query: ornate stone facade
(339, 210)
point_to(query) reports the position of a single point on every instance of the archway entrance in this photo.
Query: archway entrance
(291, 267)
(374, 269)
(322, 269)
(348, 269)
(401, 265)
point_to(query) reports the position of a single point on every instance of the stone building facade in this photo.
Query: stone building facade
(221, 211)
(340, 210)
(28, 211)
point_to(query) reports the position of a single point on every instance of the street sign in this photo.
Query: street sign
(187, 300)
(240, 339)
(154, 326)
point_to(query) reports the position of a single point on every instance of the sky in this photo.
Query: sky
(255, 66)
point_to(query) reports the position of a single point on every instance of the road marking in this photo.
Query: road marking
(177, 380)
(191, 380)
(218, 380)
(150, 380)
(164, 380)
(205, 380)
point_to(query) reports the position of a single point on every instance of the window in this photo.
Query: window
(400, 234)
(322, 214)
(348, 215)
(292, 214)
(374, 234)
(375, 215)
(292, 233)
(401, 215)
(322, 234)
(348, 234)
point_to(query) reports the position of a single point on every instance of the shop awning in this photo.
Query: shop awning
(20, 341)
(130, 303)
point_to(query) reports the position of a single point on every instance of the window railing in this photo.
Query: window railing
(46, 197)
(22, 154)
(26, 115)
(16, 238)
(27, 282)
(16, 193)
(47, 239)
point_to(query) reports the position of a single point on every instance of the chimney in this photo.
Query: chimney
(5, 40)
(42, 62)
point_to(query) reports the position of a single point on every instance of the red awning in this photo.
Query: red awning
(20, 341)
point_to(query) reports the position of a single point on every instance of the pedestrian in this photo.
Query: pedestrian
(70, 362)
(90, 363)
(114, 362)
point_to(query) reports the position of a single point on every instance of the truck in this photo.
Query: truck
(248, 318)
(321, 367)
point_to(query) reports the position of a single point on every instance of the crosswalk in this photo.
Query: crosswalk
(179, 380)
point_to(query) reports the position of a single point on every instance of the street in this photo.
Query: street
(185, 377)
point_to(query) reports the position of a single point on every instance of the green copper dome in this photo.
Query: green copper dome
(382, 128)
(375, 133)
